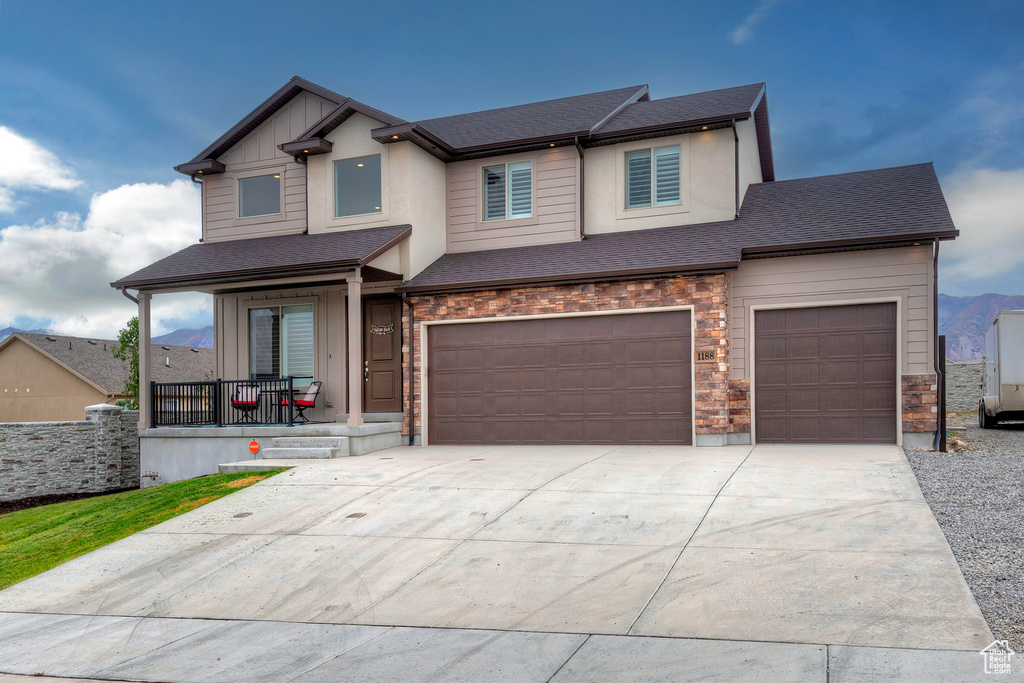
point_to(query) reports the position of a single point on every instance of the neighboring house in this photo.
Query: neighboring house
(50, 378)
(603, 268)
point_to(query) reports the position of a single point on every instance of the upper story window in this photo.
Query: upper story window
(508, 191)
(259, 195)
(652, 177)
(357, 186)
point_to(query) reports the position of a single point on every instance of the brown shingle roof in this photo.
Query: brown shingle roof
(94, 360)
(671, 111)
(563, 116)
(281, 256)
(870, 207)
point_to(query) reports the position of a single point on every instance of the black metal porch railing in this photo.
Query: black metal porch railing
(222, 402)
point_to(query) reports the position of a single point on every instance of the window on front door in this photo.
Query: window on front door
(281, 343)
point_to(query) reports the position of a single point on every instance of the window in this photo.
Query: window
(659, 187)
(281, 343)
(259, 195)
(357, 186)
(508, 191)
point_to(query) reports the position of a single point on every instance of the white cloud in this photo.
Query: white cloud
(745, 30)
(988, 208)
(61, 268)
(24, 164)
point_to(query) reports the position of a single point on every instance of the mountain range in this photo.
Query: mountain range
(963, 319)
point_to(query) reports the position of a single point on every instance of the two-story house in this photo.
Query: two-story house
(603, 268)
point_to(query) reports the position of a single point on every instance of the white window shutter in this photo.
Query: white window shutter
(638, 179)
(666, 175)
(494, 193)
(520, 190)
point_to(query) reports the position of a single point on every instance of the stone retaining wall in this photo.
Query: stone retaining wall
(964, 385)
(98, 454)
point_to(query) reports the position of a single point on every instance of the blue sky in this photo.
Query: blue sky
(99, 100)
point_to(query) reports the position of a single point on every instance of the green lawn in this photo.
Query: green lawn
(37, 539)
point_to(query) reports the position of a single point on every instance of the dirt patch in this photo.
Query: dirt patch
(35, 501)
(193, 504)
(245, 481)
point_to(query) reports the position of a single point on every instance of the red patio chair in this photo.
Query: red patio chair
(246, 400)
(307, 401)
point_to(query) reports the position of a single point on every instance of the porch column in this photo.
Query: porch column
(355, 349)
(145, 358)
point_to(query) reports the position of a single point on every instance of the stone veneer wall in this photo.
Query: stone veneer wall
(920, 404)
(965, 385)
(739, 406)
(706, 293)
(98, 454)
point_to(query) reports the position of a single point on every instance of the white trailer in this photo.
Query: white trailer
(1004, 370)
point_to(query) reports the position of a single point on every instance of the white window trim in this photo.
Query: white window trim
(682, 206)
(371, 215)
(498, 223)
(237, 195)
(378, 217)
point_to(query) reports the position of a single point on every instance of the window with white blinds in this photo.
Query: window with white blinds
(508, 191)
(281, 343)
(653, 177)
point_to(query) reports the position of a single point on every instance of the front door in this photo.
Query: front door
(382, 354)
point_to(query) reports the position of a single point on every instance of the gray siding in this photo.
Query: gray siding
(257, 154)
(556, 201)
(834, 278)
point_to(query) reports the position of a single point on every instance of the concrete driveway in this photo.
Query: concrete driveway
(830, 552)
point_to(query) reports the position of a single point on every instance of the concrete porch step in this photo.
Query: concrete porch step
(301, 453)
(260, 465)
(310, 442)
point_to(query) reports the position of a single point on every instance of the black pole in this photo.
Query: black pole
(218, 418)
(291, 399)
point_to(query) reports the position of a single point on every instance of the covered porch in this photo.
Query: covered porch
(307, 335)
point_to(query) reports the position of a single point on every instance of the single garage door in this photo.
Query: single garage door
(826, 374)
(621, 378)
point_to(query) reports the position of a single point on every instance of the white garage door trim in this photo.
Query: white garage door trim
(425, 351)
(752, 337)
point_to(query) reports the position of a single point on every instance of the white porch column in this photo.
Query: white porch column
(355, 349)
(145, 360)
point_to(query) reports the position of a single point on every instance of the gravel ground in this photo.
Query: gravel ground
(977, 496)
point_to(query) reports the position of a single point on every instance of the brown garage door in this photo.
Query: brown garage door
(571, 380)
(826, 374)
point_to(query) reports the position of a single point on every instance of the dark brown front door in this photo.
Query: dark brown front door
(382, 355)
(569, 380)
(826, 374)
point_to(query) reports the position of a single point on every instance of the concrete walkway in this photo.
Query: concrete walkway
(515, 563)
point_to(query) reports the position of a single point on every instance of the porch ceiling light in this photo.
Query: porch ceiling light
(305, 151)
(394, 137)
(703, 127)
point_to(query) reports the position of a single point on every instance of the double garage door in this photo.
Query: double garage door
(824, 374)
(602, 379)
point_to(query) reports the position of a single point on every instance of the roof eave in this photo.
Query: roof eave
(595, 276)
(892, 240)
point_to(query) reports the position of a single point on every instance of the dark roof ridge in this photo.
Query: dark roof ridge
(527, 104)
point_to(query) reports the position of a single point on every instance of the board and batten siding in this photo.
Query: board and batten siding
(231, 337)
(555, 203)
(258, 154)
(904, 272)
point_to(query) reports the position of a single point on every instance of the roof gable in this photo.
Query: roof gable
(257, 117)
